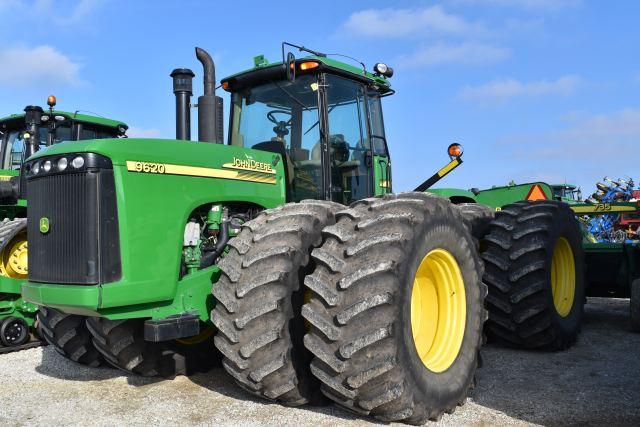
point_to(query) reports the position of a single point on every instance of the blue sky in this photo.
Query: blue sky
(534, 89)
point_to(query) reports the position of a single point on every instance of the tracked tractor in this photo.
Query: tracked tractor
(21, 135)
(284, 249)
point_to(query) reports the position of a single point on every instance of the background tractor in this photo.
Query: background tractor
(272, 246)
(22, 135)
(536, 294)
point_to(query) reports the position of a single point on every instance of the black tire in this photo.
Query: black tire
(518, 260)
(259, 298)
(122, 344)
(360, 308)
(14, 331)
(477, 218)
(68, 334)
(634, 306)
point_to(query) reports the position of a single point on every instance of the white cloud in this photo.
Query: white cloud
(537, 5)
(622, 127)
(137, 132)
(408, 23)
(509, 88)
(38, 66)
(469, 53)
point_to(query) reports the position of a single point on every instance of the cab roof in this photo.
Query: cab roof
(82, 118)
(263, 73)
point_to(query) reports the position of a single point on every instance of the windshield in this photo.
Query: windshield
(15, 143)
(566, 193)
(283, 117)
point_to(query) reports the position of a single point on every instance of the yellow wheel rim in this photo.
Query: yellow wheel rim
(14, 260)
(438, 310)
(563, 277)
(206, 333)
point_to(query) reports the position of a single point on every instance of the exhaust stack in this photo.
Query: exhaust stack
(183, 90)
(209, 105)
(33, 121)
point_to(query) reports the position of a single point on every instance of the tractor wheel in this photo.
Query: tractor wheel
(534, 267)
(123, 346)
(68, 334)
(396, 308)
(14, 331)
(635, 305)
(13, 248)
(259, 298)
(477, 218)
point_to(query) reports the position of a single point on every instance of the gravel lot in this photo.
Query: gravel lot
(596, 382)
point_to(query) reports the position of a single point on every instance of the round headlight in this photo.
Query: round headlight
(78, 162)
(62, 164)
(35, 168)
(381, 68)
(47, 166)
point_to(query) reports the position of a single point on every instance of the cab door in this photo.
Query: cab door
(381, 159)
(348, 142)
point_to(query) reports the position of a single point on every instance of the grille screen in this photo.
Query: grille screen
(82, 244)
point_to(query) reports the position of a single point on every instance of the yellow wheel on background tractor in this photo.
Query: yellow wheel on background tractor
(563, 277)
(13, 259)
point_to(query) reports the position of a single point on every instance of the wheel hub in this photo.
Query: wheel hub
(563, 277)
(438, 310)
(15, 258)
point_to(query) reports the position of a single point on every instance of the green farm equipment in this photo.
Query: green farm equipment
(541, 264)
(22, 135)
(272, 246)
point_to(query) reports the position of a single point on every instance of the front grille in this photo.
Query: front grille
(82, 244)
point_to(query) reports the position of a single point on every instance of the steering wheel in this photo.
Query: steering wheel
(274, 120)
(281, 126)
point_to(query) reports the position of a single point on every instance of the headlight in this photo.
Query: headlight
(62, 164)
(47, 166)
(35, 168)
(78, 162)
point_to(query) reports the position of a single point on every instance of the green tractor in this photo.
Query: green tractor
(21, 135)
(283, 249)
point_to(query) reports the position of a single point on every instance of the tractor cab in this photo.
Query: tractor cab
(567, 193)
(23, 134)
(323, 117)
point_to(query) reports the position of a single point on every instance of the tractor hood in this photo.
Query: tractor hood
(123, 150)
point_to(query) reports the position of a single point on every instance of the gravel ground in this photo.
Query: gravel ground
(596, 382)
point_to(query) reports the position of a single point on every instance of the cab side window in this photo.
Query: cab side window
(377, 124)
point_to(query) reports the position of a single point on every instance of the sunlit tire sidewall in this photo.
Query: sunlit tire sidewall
(454, 381)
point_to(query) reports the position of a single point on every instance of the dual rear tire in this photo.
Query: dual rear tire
(534, 267)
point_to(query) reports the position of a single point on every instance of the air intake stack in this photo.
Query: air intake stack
(182, 89)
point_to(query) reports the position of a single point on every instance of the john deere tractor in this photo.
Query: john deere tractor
(283, 249)
(21, 135)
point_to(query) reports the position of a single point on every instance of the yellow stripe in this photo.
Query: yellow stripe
(445, 170)
(5, 177)
(603, 208)
(169, 169)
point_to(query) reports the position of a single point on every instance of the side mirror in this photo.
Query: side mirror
(291, 67)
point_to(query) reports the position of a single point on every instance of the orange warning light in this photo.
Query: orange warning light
(536, 193)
